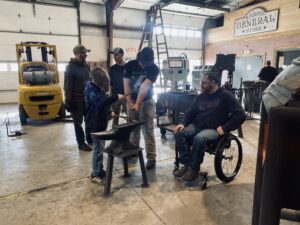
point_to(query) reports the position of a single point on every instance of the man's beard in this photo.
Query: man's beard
(82, 59)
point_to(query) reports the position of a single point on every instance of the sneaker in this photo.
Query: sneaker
(102, 174)
(189, 175)
(85, 147)
(90, 144)
(150, 164)
(98, 179)
(180, 172)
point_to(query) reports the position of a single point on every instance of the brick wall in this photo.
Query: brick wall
(287, 36)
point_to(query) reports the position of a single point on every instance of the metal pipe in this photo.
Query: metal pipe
(77, 4)
(24, 32)
(109, 33)
(44, 3)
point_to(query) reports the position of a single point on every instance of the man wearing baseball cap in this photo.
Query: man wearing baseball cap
(76, 75)
(140, 74)
(116, 73)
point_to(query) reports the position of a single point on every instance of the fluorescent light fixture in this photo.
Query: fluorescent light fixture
(192, 9)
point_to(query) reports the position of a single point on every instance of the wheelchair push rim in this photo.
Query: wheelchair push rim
(228, 158)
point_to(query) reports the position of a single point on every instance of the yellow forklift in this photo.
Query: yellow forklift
(39, 92)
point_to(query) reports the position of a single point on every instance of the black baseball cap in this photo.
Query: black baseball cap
(117, 51)
(146, 56)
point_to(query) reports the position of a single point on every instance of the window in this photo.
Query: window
(167, 31)
(190, 33)
(174, 31)
(3, 67)
(61, 66)
(198, 33)
(158, 30)
(182, 33)
(13, 67)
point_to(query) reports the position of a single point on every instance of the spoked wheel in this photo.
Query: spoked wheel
(228, 158)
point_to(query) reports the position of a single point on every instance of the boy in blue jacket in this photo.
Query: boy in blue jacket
(97, 103)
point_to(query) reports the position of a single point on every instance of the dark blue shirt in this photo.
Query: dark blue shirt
(97, 105)
(138, 75)
(116, 73)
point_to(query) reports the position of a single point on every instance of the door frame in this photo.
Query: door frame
(280, 49)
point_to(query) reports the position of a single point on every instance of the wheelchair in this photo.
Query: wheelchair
(228, 157)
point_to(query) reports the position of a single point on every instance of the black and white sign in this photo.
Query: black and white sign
(256, 21)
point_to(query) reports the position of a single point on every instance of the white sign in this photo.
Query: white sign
(256, 21)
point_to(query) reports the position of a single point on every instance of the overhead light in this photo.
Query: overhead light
(183, 8)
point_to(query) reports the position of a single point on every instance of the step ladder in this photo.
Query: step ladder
(155, 21)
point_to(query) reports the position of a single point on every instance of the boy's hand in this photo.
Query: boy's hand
(121, 97)
(130, 104)
(111, 115)
(220, 131)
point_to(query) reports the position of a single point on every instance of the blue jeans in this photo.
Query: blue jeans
(98, 147)
(199, 138)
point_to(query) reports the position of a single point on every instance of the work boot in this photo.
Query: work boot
(189, 175)
(180, 172)
(150, 164)
(85, 147)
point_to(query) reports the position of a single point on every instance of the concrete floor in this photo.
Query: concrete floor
(44, 180)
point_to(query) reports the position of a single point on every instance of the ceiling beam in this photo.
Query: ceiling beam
(196, 3)
(113, 4)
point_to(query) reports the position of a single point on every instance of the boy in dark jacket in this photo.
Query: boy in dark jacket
(97, 104)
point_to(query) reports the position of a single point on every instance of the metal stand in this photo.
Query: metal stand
(123, 155)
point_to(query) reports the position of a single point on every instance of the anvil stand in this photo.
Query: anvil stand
(121, 149)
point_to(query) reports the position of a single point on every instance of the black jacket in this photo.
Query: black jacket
(209, 111)
(268, 74)
(76, 75)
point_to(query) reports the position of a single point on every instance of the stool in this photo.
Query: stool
(124, 155)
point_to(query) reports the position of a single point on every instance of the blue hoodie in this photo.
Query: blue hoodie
(97, 105)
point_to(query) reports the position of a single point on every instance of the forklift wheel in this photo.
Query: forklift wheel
(23, 116)
(62, 111)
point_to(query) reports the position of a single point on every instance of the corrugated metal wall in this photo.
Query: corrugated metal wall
(58, 25)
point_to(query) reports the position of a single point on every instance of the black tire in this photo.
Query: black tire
(225, 156)
(163, 131)
(23, 116)
(62, 111)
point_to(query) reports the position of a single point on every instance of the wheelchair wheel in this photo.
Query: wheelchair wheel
(228, 158)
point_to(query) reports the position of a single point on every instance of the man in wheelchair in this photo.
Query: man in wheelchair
(213, 113)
